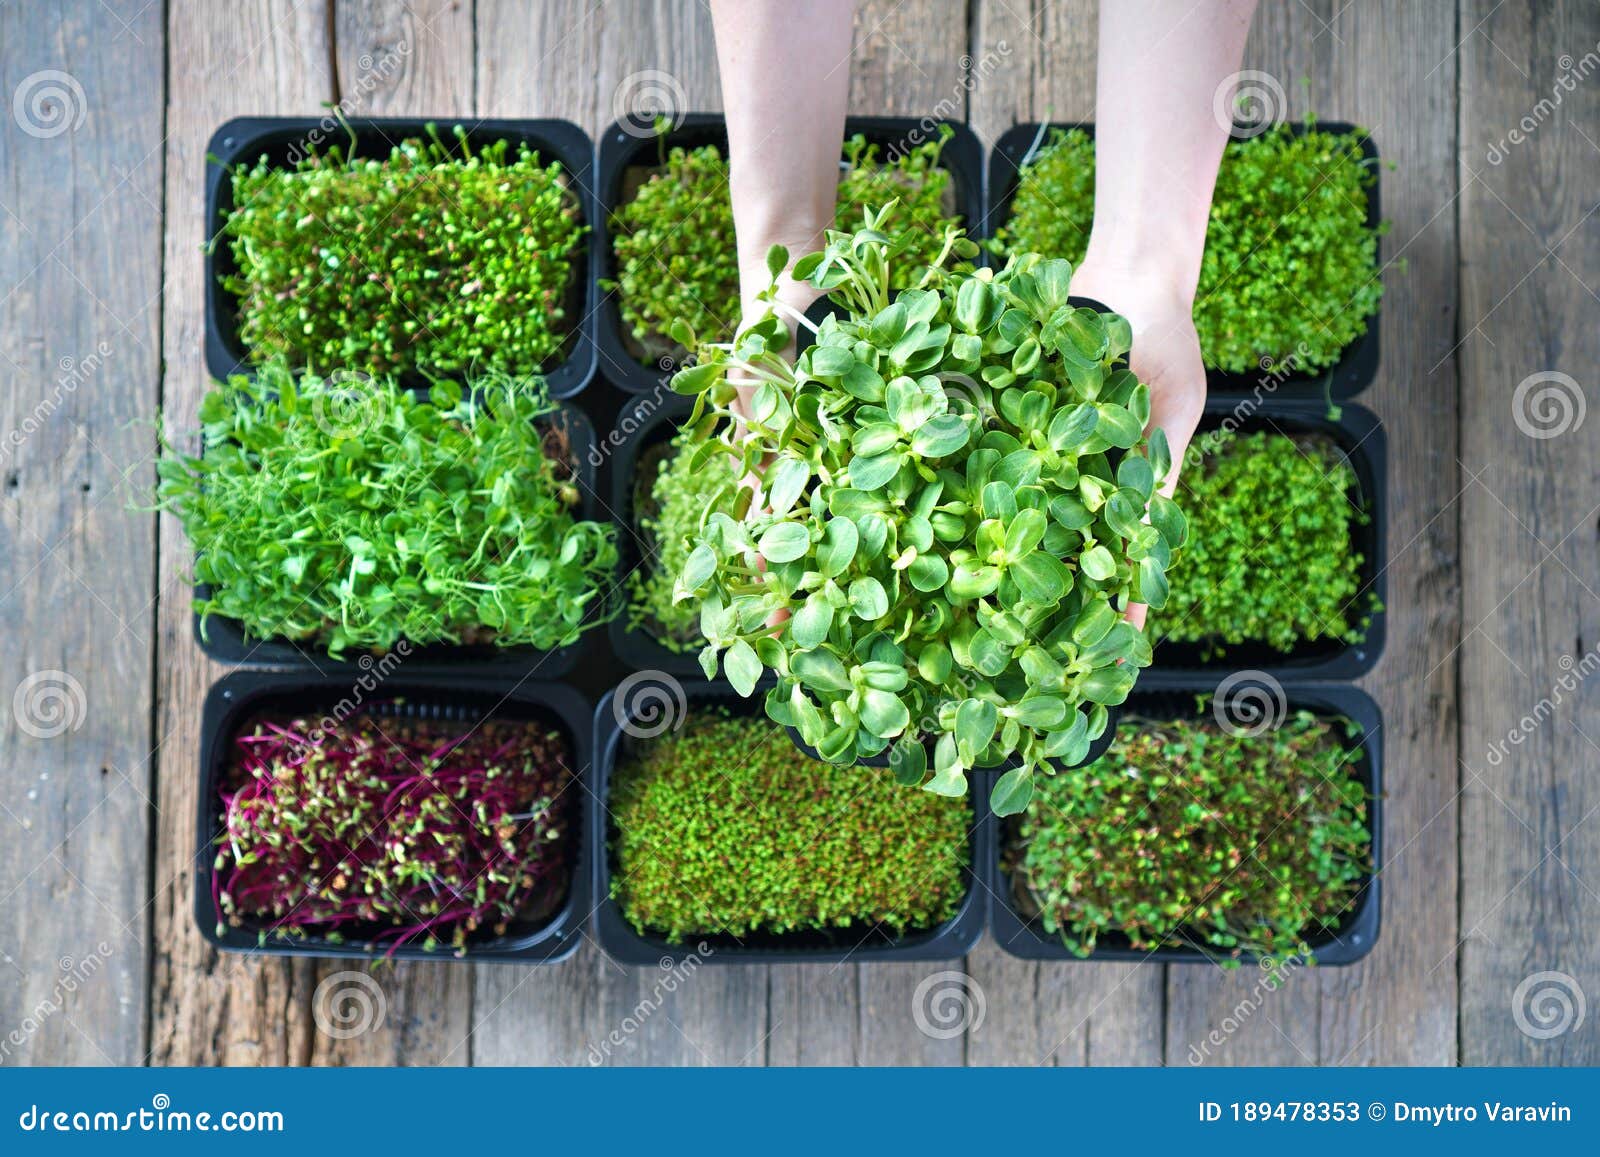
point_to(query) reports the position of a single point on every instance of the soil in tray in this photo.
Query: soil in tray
(1188, 834)
(398, 826)
(723, 832)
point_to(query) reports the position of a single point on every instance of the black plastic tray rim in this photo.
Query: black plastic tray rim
(1352, 940)
(230, 702)
(244, 139)
(643, 423)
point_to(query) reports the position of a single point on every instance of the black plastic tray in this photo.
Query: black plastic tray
(224, 638)
(239, 696)
(1356, 367)
(645, 422)
(1354, 937)
(950, 941)
(625, 147)
(1357, 433)
(245, 140)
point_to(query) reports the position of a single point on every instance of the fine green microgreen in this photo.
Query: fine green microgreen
(958, 502)
(1290, 270)
(724, 827)
(673, 240)
(1269, 558)
(1185, 833)
(673, 496)
(358, 517)
(432, 259)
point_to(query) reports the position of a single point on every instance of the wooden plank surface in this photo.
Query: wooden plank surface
(80, 282)
(87, 207)
(260, 57)
(1391, 67)
(1530, 170)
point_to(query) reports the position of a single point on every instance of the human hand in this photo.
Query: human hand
(1165, 356)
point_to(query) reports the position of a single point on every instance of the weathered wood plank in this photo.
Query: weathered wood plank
(80, 279)
(540, 60)
(411, 59)
(1391, 67)
(1530, 171)
(260, 57)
